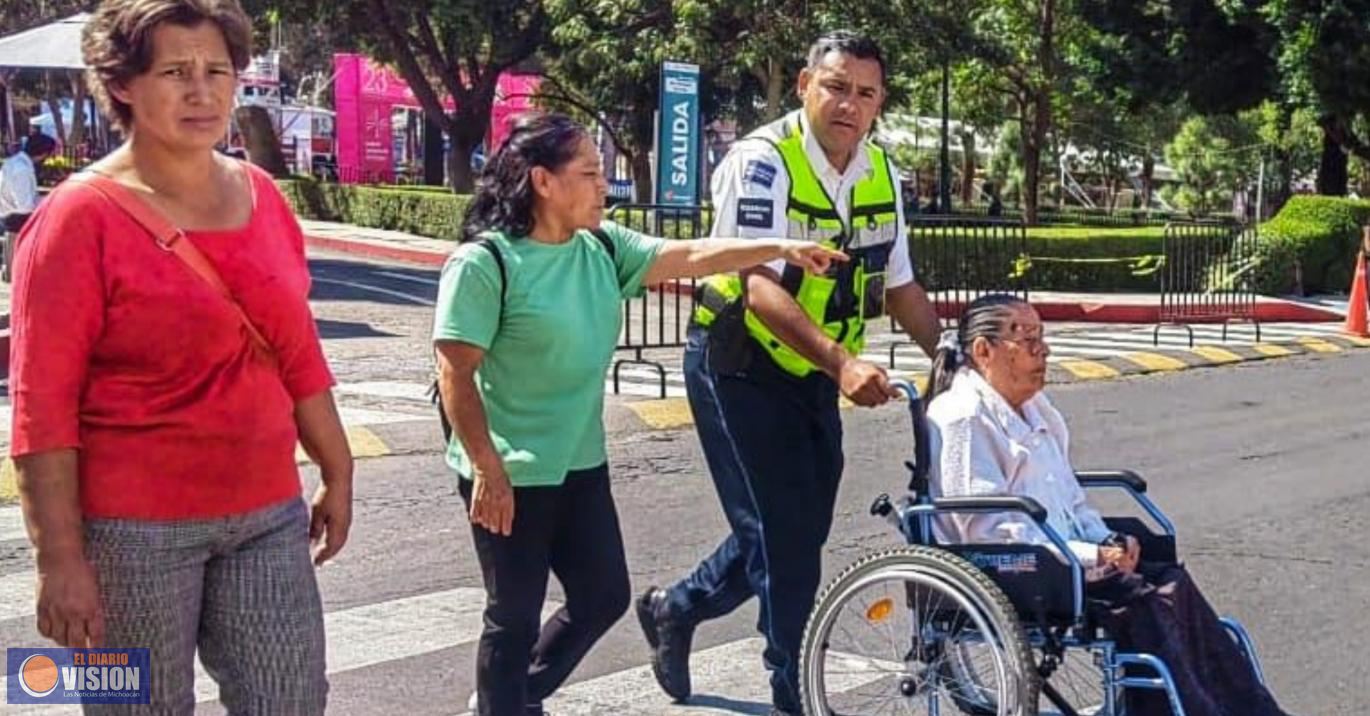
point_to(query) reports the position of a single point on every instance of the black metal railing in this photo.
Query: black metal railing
(1207, 276)
(660, 318)
(960, 258)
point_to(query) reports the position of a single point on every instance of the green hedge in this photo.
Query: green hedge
(424, 212)
(1066, 259)
(1310, 246)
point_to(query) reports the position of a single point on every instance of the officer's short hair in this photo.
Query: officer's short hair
(39, 144)
(847, 42)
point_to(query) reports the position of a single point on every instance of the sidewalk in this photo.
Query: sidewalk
(1052, 305)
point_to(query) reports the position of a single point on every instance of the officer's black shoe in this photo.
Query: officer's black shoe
(670, 644)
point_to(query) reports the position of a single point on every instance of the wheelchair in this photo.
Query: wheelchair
(978, 629)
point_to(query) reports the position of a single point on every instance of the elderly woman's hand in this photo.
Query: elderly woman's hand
(810, 256)
(1124, 558)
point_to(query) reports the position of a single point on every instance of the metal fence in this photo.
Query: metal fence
(1207, 277)
(960, 258)
(659, 318)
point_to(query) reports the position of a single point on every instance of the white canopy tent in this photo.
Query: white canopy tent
(55, 46)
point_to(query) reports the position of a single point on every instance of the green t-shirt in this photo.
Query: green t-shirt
(547, 350)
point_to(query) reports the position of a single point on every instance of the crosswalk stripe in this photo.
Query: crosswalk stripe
(417, 392)
(12, 524)
(357, 637)
(387, 631)
(368, 416)
(16, 594)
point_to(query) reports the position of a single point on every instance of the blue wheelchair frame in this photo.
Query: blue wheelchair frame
(913, 516)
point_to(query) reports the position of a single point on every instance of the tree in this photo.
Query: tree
(752, 50)
(1215, 157)
(1023, 43)
(1293, 140)
(1324, 59)
(606, 59)
(442, 48)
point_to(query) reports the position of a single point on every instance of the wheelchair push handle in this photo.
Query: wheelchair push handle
(922, 453)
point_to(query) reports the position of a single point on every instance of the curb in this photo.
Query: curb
(674, 413)
(377, 250)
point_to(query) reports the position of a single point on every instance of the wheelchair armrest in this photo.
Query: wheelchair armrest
(998, 503)
(1135, 486)
(1112, 478)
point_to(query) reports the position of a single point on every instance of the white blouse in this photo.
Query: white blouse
(986, 448)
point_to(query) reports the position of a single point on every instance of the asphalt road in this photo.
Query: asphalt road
(1262, 466)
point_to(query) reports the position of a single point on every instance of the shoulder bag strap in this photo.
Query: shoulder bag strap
(172, 239)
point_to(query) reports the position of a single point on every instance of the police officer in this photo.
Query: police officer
(770, 351)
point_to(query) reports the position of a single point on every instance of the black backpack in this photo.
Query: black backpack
(490, 246)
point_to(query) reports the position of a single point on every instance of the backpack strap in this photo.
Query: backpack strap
(490, 246)
(606, 240)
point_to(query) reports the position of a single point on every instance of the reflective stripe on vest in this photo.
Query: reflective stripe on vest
(840, 301)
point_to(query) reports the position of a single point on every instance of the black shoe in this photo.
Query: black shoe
(670, 644)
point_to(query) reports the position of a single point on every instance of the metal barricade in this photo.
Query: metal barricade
(659, 318)
(960, 258)
(1207, 277)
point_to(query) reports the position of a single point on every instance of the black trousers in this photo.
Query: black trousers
(572, 531)
(774, 448)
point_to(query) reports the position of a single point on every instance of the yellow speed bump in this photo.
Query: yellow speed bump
(1214, 354)
(1155, 361)
(1089, 370)
(663, 414)
(362, 441)
(1318, 345)
(1270, 350)
(9, 486)
(1354, 340)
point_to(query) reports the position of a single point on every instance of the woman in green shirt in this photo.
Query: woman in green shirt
(527, 320)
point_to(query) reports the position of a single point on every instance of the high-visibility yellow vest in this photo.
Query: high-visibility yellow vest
(840, 301)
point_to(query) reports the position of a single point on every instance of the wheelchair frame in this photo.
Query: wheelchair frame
(913, 515)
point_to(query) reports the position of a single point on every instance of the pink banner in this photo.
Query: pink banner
(513, 97)
(364, 96)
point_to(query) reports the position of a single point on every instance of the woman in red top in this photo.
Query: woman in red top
(154, 439)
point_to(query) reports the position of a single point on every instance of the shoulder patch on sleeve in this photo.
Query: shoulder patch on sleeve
(760, 173)
(756, 213)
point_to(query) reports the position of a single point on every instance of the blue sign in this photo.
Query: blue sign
(678, 135)
(77, 676)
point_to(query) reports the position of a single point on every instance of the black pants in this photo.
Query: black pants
(774, 447)
(572, 531)
(1159, 610)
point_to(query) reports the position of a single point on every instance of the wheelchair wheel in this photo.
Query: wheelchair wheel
(1077, 681)
(884, 631)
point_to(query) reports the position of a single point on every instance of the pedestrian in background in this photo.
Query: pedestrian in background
(528, 315)
(165, 363)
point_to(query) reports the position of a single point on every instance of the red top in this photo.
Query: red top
(120, 350)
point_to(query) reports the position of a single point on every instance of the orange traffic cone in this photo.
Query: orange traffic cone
(1360, 302)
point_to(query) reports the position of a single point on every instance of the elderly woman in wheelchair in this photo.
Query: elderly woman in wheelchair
(1014, 594)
